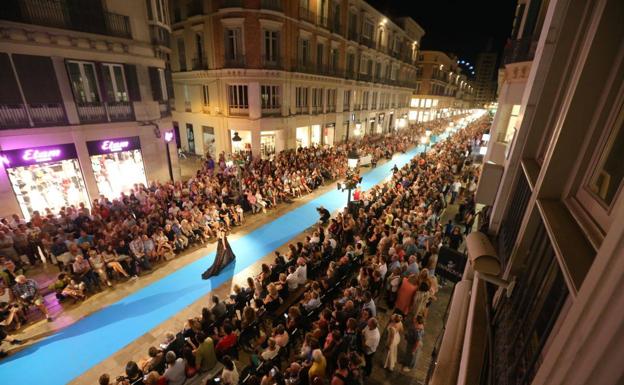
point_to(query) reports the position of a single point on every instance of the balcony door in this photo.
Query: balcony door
(83, 79)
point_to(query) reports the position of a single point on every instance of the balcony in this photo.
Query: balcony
(165, 108)
(306, 14)
(365, 77)
(367, 41)
(41, 115)
(58, 14)
(520, 50)
(334, 24)
(199, 63)
(234, 62)
(274, 63)
(350, 74)
(119, 111)
(329, 70)
(231, 3)
(98, 112)
(195, 8)
(272, 5)
(305, 67)
(353, 35)
(160, 36)
(323, 22)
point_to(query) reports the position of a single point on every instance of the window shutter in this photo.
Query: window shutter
(9, 91)
(169, 81)
(134, 93)
(38, 79)
(155, 83)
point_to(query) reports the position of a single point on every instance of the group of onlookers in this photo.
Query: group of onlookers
(313, 315)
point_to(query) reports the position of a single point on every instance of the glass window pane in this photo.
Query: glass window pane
(122, 93)
(607, 177)
(77, 82)
(89, 71)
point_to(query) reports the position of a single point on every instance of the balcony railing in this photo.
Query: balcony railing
(13, 116)
(520, 50)
(120, 111)
(98, 112)
(272, 62)
(510, 225)
(47, 114)
(199, 63)
(306, 14)
(58, 14)
(305, 66)
(350, 74)
(334, 23)
(273, 5)
(323, 21)
(353, 35)
(187, 106)
(367, 41)
(91, 112)
(234, 62)
(165, 108)
(365, 77)
(231, 3)
(160, 36)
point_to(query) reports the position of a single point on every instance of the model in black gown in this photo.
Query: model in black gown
(223, 258)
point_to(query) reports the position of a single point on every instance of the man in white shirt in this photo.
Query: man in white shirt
(175, 372)
(302, 271)
(370, 337)
(292, 280)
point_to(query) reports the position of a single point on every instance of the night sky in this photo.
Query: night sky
(461, 27)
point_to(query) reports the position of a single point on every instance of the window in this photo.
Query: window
(374, 101)
(608, 174)
(271, 46)
(317, 100)
(350, 62)
(115, 83)
(205, 96)
(238, 97)
(181, 54)
(269, 97)
(320, 49)
(334, 56)
(83, 81)
(157, 10)
(368, 29)
(304, 51)
(365, 100)
(331, 100)
(301, 99)
(163, 84)
(233, 43)
(346, 103)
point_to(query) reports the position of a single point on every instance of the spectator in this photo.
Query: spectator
(28, 294)
(370, 341)
(175, 372)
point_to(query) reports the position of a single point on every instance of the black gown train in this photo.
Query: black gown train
(223, 258)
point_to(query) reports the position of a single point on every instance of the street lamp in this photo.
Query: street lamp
(424, 140)
(169, 139)
(352, 179)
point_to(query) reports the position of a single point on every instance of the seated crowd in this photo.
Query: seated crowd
(310, 317)
(120, 239)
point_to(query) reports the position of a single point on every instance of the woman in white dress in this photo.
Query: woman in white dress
(394, 338)
(230, 375)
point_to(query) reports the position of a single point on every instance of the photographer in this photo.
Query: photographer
(323, 214)
(7, 314)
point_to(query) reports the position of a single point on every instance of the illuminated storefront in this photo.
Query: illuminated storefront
(47, 177)
(117, 165)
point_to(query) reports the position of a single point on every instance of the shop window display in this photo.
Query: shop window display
(45, 178)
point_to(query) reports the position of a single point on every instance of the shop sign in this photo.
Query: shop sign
(107, 146)
(35, 155)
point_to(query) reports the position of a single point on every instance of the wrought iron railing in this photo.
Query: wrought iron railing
(58, 14)
(234, 62)
(520, 50)
(273, 5)
(13, 116)
(120, 111)
(47, 114)
(510, 225)
(274, 62)
(307, 15)
(199, 63)
(91, 112)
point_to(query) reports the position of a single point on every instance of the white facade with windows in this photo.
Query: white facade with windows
(82, 114)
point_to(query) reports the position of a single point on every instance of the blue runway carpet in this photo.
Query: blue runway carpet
(65, 355)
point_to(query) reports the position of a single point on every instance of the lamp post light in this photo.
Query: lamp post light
(352, 179)
(424, 140)
(168, 139)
